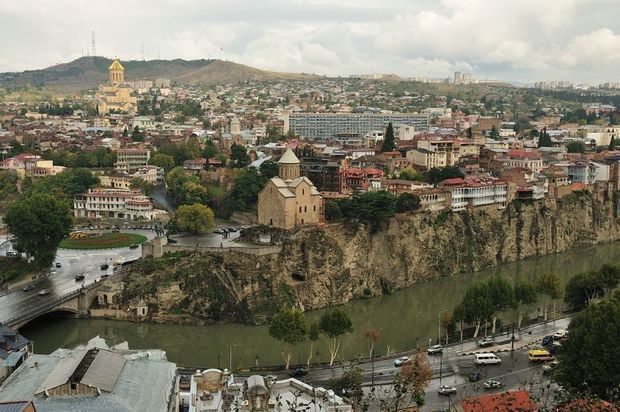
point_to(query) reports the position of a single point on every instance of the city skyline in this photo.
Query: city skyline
(523, 41)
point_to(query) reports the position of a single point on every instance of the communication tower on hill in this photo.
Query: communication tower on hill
(93, 47)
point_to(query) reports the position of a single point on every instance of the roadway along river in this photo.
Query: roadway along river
(402, 318)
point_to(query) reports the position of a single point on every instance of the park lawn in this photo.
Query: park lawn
(105, 241)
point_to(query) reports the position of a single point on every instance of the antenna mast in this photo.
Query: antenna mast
(93, 48)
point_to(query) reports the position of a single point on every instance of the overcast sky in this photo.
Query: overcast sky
(520, 40)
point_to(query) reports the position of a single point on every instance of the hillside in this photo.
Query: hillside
(87, 72)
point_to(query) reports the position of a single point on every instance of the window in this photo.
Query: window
(299, 209)
(305, 209)
(314, 208)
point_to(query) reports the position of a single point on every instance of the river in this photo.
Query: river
(402, 318)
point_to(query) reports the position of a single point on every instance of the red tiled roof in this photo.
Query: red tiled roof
(514, 401)
(523, 154)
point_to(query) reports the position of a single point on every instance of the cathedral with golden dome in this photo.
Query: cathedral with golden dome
(115, 95)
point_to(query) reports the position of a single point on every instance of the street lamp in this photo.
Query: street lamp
(230, 348)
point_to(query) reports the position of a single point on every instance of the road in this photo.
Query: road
(72, 262)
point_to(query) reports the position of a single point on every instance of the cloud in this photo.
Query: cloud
(523, 40)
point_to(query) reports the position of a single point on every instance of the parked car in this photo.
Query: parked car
(492, 384)
(299, 372)
(171, 240)
(52, 272)
(549, 367)
(447, 390)
(133, 246)
(559, 334)
(435, 349)
(28, 287)
(219, 231)
(474, 376)
(44, 292)
(10, 253)
(403, 360)
(105, 266)
(486, 342)
(58, 264)
(547, 341)
(79, 277)
(232, 229)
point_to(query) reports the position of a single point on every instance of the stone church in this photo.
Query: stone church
(289, 200)
(116, 94)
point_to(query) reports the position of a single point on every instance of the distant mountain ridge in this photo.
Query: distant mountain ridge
(88, 72)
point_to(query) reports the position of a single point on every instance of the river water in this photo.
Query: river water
(402, 319)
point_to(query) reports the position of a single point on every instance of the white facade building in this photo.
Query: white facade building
(114, 203)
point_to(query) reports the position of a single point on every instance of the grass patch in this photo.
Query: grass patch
(105, 241)
(14, 270)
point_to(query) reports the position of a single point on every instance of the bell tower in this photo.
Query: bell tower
(289, 166)
(116, 72)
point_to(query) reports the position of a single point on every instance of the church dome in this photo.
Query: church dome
(116, 65)
(289, 158)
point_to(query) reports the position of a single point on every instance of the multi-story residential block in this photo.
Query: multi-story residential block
(22, 164)
(433, 199)
(529, 185)
(44, 168)
(117, 181)
(327, 125)
(526, 159)
(324, 173)
(151, 174)
(101, 203)
(427, 158)
(130, 160)
(353, 179)
(476, 191)
(399, 186)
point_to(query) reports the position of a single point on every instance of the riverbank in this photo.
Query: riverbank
(403, 318)
(339, 263)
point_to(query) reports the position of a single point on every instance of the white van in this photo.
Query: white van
(487, 359)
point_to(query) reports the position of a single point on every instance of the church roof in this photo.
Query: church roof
(289, 158)
(116, 65)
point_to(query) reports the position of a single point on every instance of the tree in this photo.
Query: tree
(388, 140)
(239, 155)
(313, 336)
(502, 296)
(334, 324)
(583, 369)
(139, 183)
(525, 295)
(477, 305)
(268, 169)
(447, 322)
(549, 285)
(374, 207)
(575, 147)
(436, 175)
(193, 192)
(410, 174)
(582, 288)
(245, 190)
(288, 326)
(39, 222)
(458, 315)
(210, 149)
(137, 135)
(494, 133)
(66, 184)
(544, 140)
(610, 276)
(407, 202)
(373, 336)
(349, 384)
(332, 210)
(163, 160)
(195, 218)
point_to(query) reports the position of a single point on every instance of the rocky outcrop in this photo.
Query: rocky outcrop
(332, 265)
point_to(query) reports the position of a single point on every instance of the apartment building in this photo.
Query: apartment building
(453, 149)
(324, 173)
(476, 191)
(427, 158)
(526, 159)
(115, 203)
(151, 174)
(130, 160)
(327, 125)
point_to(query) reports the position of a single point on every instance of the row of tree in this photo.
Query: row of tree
(374, 207)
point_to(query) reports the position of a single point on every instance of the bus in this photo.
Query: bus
(539, 355)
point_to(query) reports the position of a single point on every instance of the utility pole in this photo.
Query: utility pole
(440, 367)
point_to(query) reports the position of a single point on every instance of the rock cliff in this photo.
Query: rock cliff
(330, 266)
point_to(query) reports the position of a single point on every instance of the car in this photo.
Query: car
(559, 334)
(171, 240)
(403, 360)
(105, 275)
(298, 373)
(474, 376)
(52, 272)
(58, 264)
(79, 277)
(492, 384)
(44, 292)
(10, 253)
(28, 287)
(435, 349)
(547, 341)
(219, 231)
(133, 246)
(271, 378)
(105, 266)
(447, 390)
(232, 229)
(486, 342)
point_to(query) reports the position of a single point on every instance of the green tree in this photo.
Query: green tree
(575, 147)
(610, 276)
(583, 370)
(334, 324)
(210, 149)
(502, 296)
(195, 218)
(373, 207)
(549, 285)
(139, 183)
(410, 174)
(66, 184)
(313, 336)
(244, 193)
(239, 155)
(288, 326)
(436, 174)
(407, 202)
(544, 140)
(193, 192)
(349, 384)
(388, 140)
(525, 295)
(477, 305)
(582, 288)
(332, 210)
(39, 222)
(137, 135)
(268, 169)
(494, 133)
(162, 160)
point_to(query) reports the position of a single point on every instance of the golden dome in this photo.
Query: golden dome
(116, 65)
